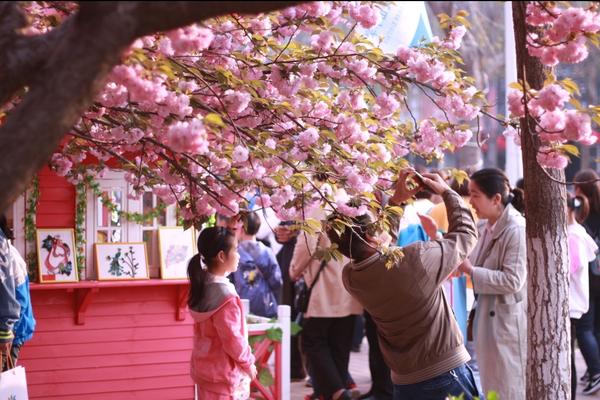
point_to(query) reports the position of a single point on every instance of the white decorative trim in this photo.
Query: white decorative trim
(19, 224)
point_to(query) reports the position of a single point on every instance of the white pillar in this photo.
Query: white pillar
(284, 319)
(514, 161)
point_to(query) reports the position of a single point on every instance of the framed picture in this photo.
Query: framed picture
(175, 247)
(121, 261)
(56, 255)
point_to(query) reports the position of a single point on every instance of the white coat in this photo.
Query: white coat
(500, 324)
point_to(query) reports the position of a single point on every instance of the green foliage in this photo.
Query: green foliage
(80, 209)
(490, 396)
(265, 377)
(30, 228)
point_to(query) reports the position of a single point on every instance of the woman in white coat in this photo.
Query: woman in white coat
(497, 267)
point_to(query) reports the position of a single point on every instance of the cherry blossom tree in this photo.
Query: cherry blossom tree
(295, 108)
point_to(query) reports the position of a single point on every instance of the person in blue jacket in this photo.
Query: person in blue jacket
(9, 306)
(25, 325)
(258, 277)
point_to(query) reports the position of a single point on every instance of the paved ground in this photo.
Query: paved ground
(359, 368)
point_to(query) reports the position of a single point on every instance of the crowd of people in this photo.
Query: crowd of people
(417, 350)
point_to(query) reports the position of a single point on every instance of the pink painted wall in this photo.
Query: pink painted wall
(130, 346)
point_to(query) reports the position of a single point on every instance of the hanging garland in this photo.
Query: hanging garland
(29, 221)
(139, 218)
(80, 209)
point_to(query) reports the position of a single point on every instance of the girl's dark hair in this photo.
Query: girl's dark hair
(587, 181)
(580, 205)
(493, 181)
(5, 229)
(211, 241)
(251, 223)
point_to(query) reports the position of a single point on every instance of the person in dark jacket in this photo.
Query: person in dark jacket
(258, 277)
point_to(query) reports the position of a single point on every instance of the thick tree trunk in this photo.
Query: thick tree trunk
(548, 361)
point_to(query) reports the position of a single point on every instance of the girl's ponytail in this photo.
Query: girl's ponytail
(579, 205)
(517, 199)
(197, 276)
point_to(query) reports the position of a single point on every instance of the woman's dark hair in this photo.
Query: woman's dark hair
(492, 181)
(251, 223)
(5, 229)
(587, 181)
(580, 205)
(210, 242)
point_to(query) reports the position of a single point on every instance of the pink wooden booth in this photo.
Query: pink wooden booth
(128, 340)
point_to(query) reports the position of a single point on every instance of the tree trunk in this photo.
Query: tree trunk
(548, 350)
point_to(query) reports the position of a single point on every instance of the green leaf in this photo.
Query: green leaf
(492, 396)
(214, 119)
(515, 85)
(265, 377)
(570, 149)
(275, 334)
(570, 85)
(313, 224)
(396, 210)
(295, 328)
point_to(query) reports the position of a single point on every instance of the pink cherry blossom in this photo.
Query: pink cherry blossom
(240, 154)
(578, 125)
(455, 37)
(553, 122)
(323, 41)
(552, 97)
(236, 101)
(60, 164)
(538, 15)
(308, 137)
(366, 15)
(460, 137)
(515, 104)
(551, 158)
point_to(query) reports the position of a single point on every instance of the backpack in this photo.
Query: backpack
(595, 265)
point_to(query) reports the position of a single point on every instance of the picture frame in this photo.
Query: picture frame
(176, 247)
(57, 260)
(121, 261)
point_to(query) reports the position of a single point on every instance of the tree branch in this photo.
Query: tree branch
(77, 59)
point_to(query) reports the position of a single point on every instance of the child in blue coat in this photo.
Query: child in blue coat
(258, 277)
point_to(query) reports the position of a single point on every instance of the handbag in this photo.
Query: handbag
(303, 291)
(13, 383)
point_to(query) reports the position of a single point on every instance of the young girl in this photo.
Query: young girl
(222, 363)
(582, 250)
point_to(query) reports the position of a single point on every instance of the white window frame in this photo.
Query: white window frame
(130, 231)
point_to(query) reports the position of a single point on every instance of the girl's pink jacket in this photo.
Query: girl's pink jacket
(221, 351)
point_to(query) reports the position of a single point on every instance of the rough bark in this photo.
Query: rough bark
(65, 69)
(548, 363)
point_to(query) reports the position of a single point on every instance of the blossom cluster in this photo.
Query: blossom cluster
(294, 107)
(559, 35)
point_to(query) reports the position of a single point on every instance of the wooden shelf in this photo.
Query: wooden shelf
(108, 284)
(85, 291)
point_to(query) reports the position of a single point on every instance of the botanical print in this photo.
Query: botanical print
(116, 261)
(176, 248)
(176, 253)
(56, 258)
(123, 263)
